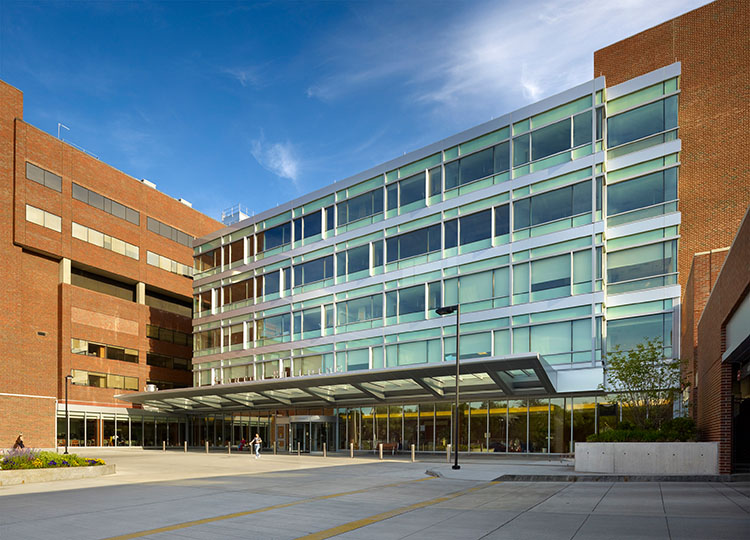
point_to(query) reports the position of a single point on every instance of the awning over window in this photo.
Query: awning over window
(511, 376)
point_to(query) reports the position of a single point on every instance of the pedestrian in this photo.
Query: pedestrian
(242, 443)
(256, 444)
(19, 442)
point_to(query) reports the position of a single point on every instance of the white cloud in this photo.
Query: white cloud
(246, 76)
(278, 158)
(490, 60)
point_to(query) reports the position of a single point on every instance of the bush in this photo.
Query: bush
(674, 430)
(29, 458)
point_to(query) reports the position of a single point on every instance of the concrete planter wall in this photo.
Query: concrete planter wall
(684, 458)
(28, 476)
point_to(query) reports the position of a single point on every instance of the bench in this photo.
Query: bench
(388, 447)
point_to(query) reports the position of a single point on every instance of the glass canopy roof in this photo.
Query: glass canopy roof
(511, 376)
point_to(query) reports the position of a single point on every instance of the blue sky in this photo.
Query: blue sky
(257, 103)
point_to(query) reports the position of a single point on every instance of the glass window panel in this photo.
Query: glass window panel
(627, 333)
(329, 218)
(80, 193)
(500, 282)
(581, 198)
(502, 157)
(522, 214)
(313, 224)
(538, 425)
(377, 254)
(582, 128)
(341, 264)
(475, 287)
(475, 227)
(391, 303)
(550, 273)
(520, 340)
(476, 166)
(502, 342)
(521, 152)
(451, 175)
(297, 229)
(642, 122)
(34, 215)
(358, 259)
(551, 338)
(412, 353)
(133, 217)
(311, 320)
(272, 282)
(641, 192)
(411, 300)
(313, 271)
(412, 189)
(392, 196)
(582, 335)
(517, 428)
(502, 220)
(521, 278)
(277, 236)
(582, 266)
(476, 345)
(451, 233)
(550, 139)
(96, 238)
(639, 262)
(96, 200)
(433, 295)
(436, 181)
(359, 359)
(51, 221)
(34, 173)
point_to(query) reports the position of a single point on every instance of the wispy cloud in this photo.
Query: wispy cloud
(279, 158)
(492, 59)
(246, 76)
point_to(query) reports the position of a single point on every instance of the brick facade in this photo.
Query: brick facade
(41, 312)
(711, 42)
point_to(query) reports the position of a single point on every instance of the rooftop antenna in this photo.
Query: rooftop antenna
(59, 125)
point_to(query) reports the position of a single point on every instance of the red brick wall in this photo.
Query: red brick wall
(33, 299)
(714, 408)
(712, 44)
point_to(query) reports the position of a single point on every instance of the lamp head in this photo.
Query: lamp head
(69, 377)
(446, 310)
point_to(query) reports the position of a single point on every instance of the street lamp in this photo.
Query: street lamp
(68, 378)
(447, 310)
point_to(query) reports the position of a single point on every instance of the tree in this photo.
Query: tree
(644, 381)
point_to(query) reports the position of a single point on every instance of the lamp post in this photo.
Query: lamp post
(68, 378)
(447, 310)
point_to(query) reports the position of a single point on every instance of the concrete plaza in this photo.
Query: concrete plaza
(194, 495)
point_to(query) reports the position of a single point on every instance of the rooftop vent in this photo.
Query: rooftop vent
(148, 183)
(186, 203)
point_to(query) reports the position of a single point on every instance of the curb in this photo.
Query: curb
(32, 476)
(611, 477)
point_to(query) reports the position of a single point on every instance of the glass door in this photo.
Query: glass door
(300, 436)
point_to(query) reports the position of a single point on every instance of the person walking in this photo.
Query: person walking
(19, 442)
(256, 445)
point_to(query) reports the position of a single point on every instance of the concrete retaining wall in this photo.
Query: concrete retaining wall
(28, 476)
(648, 458)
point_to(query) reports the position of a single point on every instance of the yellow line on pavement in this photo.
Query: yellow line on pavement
(233, 515)
(352, 525)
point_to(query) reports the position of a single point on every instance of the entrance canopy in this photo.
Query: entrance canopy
(519, 375)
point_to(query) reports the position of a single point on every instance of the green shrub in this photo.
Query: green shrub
(674, 430)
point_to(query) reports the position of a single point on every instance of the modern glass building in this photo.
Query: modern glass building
(555, 230)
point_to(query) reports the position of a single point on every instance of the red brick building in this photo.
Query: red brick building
(711, 42)
(96, 273)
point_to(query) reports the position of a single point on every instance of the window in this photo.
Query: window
(451, 233)
(411, 300)
(550, 139)
(360, 207)
(44, 177)
(478, 165)
(180, 306)
(311, 321)
(236, 292)
(169, 335)
(102, 380)
(627, 333)
(272, 282)
(475, 227)
(353, 260)
(582, 128)
(360, 309)
(550, 278)
(552, 205)
(412, 189)
(642, 262)
(436, 181)
(43, 218)
(208, 260)
(231, 335)
(502, 220)
(234, 252)
(275, 237)
(205, 340)
(312, 271)
(642, 192)
(312, 225)
(521, 151)
(641, 122)
(275, 327)
(414, 243)
(102, 284)
(175, 267)
(106, 204)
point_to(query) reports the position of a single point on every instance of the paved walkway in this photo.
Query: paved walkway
(286, 497)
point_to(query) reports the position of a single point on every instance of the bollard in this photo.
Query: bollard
(412, 454)
(324, 450)
(275, 447)
(351, 450)
(380, 450)
(229, 449)
(299, 453)
(185, 446)
(206, 447)
(164, 446)
(448, 453)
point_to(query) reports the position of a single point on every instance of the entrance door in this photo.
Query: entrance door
(300, 436)
(311, 435)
